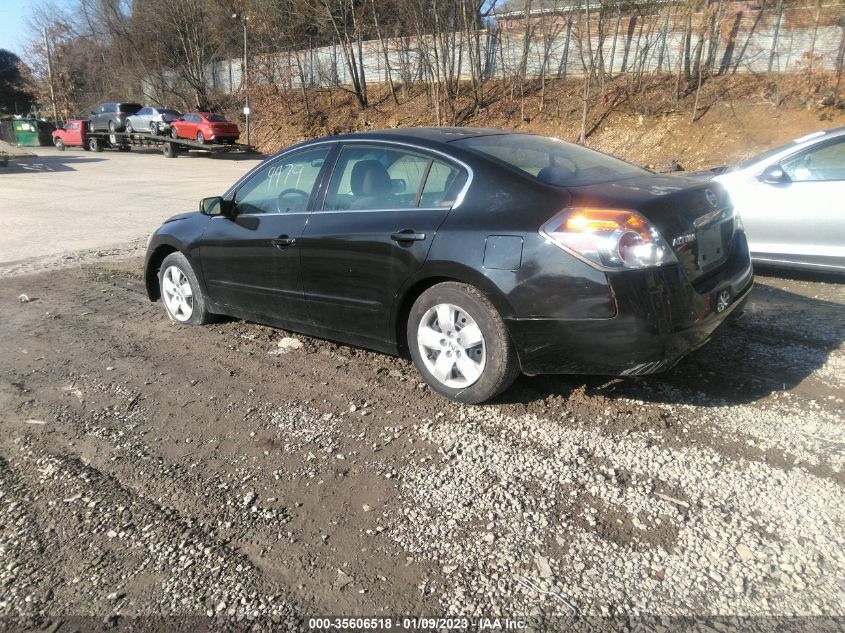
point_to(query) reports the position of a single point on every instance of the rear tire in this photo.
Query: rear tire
(200, 138)
(170, 150)
(59, 144)
(112, 127)
(154, 128)
(174, 133)
(129, 129)
(180, 292)
(485, 360)
(94, 144)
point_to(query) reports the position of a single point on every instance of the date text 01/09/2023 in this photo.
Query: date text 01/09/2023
(415, 624)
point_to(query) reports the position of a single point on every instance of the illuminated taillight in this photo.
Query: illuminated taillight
(610, 238)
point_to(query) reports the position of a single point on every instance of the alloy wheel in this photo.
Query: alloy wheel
(178, 294)
(452, 346)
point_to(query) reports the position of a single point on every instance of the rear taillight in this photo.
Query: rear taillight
(609, 238)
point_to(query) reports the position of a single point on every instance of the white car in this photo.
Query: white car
(792, 202)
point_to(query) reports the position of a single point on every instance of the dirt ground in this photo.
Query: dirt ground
(150, 469)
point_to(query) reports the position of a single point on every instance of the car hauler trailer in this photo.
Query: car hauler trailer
(170, 147)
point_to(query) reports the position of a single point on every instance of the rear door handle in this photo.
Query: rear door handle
(283, 241)
(407, 235)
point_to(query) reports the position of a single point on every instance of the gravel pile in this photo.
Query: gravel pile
(525, 514)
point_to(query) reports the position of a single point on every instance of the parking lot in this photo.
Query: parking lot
(60, 203)
(148, 468)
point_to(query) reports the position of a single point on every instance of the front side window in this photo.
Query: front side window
(551, 160)
(826, 162)
(282, 186)
(376, 177)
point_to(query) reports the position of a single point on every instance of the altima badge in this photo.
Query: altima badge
(683, 239)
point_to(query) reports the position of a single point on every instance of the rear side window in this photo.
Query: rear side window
(376, 177)
(442, 186)
(144, 111)
(130, 107)
(215, 118)
(551, 160)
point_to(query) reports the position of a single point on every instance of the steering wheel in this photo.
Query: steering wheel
(285, 207)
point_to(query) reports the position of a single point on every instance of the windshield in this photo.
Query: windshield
(215, 118)
(551, 160)
(173, 112)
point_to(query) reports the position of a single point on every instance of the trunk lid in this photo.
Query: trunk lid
(695, 218)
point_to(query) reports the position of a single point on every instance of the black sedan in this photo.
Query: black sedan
(481, 253)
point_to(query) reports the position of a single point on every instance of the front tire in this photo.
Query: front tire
(112, 127)
(460, 345)
(200, 138)
(180, 292)
(59, 145)
(174, 133)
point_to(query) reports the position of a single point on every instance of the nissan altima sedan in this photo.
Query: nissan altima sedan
(480, 253)
(792, 202)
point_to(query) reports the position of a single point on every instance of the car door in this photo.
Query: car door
(251, 261)
(141, 119)
(372, 234)
(802, 218)
(74, 133)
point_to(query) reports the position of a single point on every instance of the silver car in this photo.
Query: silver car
(792, 202)
(153, 120)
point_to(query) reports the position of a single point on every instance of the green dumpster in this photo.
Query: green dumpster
(26, 132)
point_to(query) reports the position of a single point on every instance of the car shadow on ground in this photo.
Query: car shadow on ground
(42, 164)
(783, 340)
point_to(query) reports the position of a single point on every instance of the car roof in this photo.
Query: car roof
(436, 134)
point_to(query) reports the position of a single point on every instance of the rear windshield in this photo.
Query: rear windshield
(173, 112)
(129, 107)
(551, 160)
(215, 118)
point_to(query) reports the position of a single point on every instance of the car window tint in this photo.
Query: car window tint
(216, 118)
(144, 111)
(442, 185)
(551, 160)
(376, 178)
(283, 186)
(826, 162)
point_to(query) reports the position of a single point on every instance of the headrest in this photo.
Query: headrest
(370, 178)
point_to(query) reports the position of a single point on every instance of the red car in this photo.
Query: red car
(73, 134)
(205, 127)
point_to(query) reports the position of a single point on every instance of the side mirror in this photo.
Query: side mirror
(773, 174)
(216, 205)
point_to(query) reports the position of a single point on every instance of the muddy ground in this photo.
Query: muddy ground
(152, 469)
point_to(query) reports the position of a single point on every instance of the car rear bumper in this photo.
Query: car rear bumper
(660, 318)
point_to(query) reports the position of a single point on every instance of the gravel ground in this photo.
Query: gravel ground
(227, 474)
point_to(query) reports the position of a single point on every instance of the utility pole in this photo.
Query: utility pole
(50, 75)
(245, 79)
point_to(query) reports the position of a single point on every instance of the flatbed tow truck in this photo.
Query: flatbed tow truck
(170, 147)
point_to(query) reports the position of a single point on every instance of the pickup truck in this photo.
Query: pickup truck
(73, 134)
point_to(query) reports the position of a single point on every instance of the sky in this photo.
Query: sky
(13, 23)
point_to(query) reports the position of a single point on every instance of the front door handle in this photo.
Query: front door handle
(407, 235)
(283, 241)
